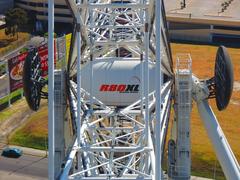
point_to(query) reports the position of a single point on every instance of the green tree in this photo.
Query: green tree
(15, 19)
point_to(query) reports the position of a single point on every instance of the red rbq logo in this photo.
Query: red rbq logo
(121, 88)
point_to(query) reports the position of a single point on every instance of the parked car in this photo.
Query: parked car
(12, 152)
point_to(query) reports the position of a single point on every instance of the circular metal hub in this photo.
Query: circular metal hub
(223, 78)
(31, 79)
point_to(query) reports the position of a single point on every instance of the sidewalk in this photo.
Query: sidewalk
(12, 53)
(199, 178)
(33, 42)
(17, 176)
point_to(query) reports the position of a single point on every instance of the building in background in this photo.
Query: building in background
(5, 5)
(39, 9)
(204, 21)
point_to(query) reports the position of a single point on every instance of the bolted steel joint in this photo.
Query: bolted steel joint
(78, 27)
(200, 89)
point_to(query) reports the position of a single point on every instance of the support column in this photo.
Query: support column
(51, 125)
(79, 122)
(158, 76)
(221, 146)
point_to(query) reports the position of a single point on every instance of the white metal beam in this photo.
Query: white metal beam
(158, 76)
(222, 148)
(51, 128)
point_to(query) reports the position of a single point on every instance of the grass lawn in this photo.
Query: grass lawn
(34, 132)
(8, 112)
(8, 43)
(203, 156)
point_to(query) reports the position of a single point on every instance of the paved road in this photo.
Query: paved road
(26, 167)
(12, 53)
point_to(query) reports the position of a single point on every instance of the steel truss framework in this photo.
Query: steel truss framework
(124, 142)
(115, 142)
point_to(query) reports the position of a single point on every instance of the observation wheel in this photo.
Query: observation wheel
(119, 87)
(113, 77)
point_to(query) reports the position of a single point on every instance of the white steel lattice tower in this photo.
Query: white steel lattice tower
(114, 142)
(114, 83)
(183, 113)
(119, 90)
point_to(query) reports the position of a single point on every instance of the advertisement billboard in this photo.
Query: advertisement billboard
(15, 68)
(43, 53)
(68, 44)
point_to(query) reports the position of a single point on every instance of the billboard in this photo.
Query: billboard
(68, 44)
(15, 68)
(43, 53)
